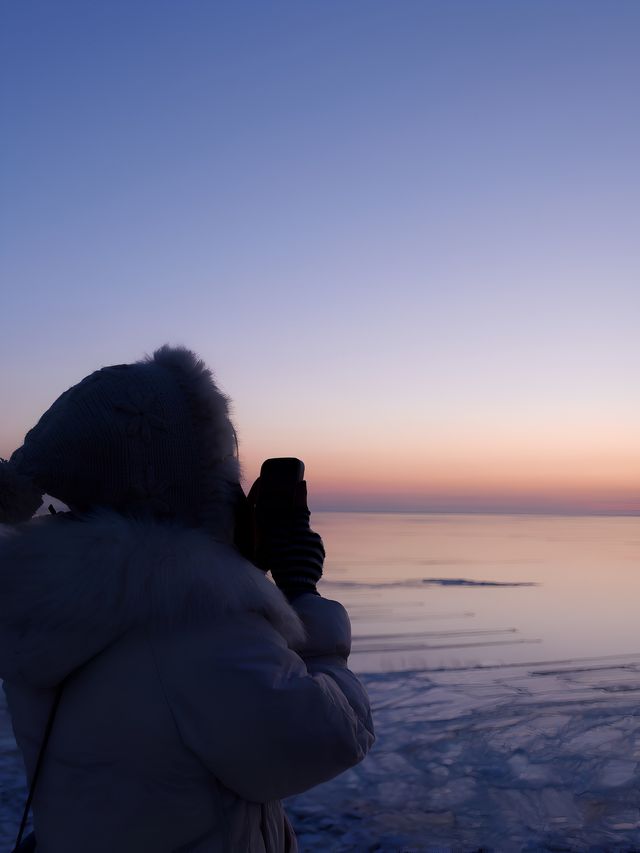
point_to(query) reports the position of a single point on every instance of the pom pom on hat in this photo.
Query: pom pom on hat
(19, 496)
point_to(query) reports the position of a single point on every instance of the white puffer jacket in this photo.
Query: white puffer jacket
(195, 698)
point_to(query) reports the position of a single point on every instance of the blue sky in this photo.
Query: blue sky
(404, 234)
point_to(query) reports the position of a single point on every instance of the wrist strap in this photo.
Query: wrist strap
(36, 772)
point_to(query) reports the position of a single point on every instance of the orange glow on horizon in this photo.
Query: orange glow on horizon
(566, 474)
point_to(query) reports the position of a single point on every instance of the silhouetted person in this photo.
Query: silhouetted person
(195, 693)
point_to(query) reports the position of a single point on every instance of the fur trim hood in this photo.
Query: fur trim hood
(70, 587)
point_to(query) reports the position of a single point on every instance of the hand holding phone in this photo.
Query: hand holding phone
(285, 545)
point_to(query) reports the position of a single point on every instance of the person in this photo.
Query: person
(196, 692)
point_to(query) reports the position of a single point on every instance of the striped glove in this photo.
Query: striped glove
(285, 544)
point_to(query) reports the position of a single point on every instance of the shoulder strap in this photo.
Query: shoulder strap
(36, 772)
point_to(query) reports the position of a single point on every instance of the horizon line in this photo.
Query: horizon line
(569, 513)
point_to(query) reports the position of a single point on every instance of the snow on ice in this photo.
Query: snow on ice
(506, 758)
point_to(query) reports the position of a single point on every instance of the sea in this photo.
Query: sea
(445, 591)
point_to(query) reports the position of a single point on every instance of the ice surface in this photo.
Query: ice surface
(499, 758)
(330, 586)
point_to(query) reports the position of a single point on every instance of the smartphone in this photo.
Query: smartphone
(279, 478)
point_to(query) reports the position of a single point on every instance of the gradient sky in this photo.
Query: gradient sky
(404, 234)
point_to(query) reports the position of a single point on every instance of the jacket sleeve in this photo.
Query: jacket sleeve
(266, 720)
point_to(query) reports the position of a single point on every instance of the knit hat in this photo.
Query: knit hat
(149, 439)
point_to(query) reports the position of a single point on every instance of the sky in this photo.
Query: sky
(404, 235)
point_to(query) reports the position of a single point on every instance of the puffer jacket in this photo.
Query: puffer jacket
(195, 695)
